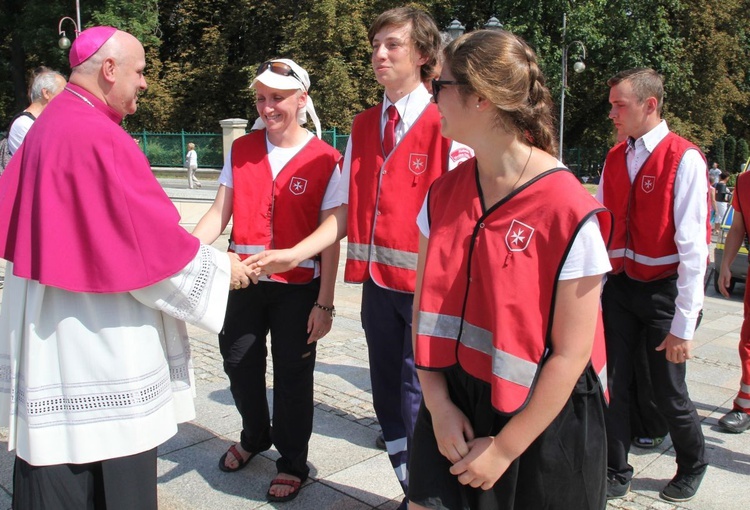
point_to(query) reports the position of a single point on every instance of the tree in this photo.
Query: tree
(730, 148)
(743, 153)
(717, 154)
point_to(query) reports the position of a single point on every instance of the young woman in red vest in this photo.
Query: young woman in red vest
(278, 183)
(508, 332)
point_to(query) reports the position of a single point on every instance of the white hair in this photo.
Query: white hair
(49, 81)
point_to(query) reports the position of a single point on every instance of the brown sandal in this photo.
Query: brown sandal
(236, 454)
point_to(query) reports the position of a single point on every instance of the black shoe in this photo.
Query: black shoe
(380, 442)
(735, 421)
(617, 486)
(682, 487)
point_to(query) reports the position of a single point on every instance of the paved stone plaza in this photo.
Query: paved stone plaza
(348, 472)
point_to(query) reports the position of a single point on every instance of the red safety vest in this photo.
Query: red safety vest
(643, 238)
(278, 213)
(488, 293)
(385, 196)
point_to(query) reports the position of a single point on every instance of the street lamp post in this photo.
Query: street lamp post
(578, 67)
(64, 42)
(455, 29)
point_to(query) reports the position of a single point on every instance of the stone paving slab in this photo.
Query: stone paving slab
(349, 473)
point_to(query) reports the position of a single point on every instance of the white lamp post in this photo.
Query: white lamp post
(578, 67)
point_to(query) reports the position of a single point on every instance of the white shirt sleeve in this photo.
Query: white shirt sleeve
(18, 132)
(346, 171)
(690, 212)
(588, 254)
(196, 294)
(225, 177)
(331, 198)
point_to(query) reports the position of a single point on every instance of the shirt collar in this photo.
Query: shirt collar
(651, 139)
(416, 96)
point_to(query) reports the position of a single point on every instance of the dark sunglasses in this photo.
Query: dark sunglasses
(439, 84)
(279, 68)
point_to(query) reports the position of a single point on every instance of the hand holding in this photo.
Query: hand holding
(452, 431)
(677, 349)
(239, 277)
(483, 466)
(273, 261)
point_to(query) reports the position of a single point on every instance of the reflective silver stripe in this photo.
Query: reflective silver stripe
(643, 259)
(745, 388)
(246, 249)
(396, 446)
(477, 338)
(504, 365)
(744, 403)
(603, 378)
(439, 325)
(358, 251)
(513, 369)
(387, 256)
(252, 249)
(400, 472)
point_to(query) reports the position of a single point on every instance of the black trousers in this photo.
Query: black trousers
(123, 483)
(563, 469)
(645, 418)
(283, 309)
(635, 310)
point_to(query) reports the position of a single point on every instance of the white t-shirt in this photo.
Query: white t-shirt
(278, 157)
(18, 132)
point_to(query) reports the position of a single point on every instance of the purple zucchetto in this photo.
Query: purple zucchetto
(87, 43)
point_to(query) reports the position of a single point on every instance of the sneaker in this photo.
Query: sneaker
(682, 487)
(648, 442)
(617, 486)
(735, 421)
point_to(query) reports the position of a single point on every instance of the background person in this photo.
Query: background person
(44, 87)
(191, 163)
(508, 363)
(723, 197)
(278, 183)
(92, 337)
(656, 184)
(738, 419)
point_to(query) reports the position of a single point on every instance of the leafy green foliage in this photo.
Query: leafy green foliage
(202, 55)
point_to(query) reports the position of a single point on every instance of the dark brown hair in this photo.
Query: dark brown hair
(501, 68)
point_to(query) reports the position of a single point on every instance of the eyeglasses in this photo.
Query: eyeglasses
(439, 84)
(279, 68)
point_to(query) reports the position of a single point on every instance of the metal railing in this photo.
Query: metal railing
(169, 149)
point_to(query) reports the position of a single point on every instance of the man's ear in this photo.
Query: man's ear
(108, 69)
(651, 104)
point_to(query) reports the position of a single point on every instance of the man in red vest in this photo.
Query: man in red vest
(394, 154)
(738, 419)
(656, 184)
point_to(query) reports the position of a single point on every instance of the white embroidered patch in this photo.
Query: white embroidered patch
(647, 183)
(417, 163)
(297, 185)
(518, 236)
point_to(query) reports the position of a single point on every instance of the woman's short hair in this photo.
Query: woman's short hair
(502, 68)
(424, 33)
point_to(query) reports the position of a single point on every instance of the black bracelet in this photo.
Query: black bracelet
(330, 309)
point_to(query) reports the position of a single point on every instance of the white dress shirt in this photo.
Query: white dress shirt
(690, 212)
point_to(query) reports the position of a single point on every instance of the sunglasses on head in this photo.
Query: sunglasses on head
(279, 68)
(439, 84)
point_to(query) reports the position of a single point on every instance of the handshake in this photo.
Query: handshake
(263, 263)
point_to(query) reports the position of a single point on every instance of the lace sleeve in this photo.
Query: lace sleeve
(197, 294)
